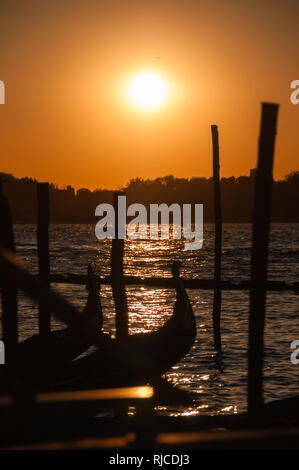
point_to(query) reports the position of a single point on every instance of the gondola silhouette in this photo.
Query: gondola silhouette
(38, 356)
(138, 358)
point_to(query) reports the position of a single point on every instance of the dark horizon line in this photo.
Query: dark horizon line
(7, 176)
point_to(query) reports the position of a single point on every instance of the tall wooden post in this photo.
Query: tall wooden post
(259, 259)
(43, 254)
(218, 241)
(8, 291)
(117, 276)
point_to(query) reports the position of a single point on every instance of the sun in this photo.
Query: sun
(147, 90)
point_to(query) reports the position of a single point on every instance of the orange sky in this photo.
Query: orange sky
(65, 63)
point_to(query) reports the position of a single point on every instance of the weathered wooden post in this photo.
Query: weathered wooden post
(44, 317)
(259, 257)
(218, 240)
(117, 276)
(8, 291)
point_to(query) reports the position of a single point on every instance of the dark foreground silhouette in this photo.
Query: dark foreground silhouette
(135, 359)
(36, 356)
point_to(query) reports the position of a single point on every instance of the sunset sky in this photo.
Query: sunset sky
(67, 66)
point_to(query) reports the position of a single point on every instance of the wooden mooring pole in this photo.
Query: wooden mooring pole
(8, 291)
(44, 317)
(259, 258)
(218, 240)
(117, 275)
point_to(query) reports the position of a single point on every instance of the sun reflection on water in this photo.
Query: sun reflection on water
(218, 383)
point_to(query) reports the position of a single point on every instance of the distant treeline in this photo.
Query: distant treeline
(70, 206)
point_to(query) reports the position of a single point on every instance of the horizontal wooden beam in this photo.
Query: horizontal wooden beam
(205, 284)
(78, 402)
(123, 393)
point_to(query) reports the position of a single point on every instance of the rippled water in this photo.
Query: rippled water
(219, 381)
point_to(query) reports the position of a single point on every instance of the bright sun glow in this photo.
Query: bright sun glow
(148, 90)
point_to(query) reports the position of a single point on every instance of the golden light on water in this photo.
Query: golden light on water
(148, 90)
